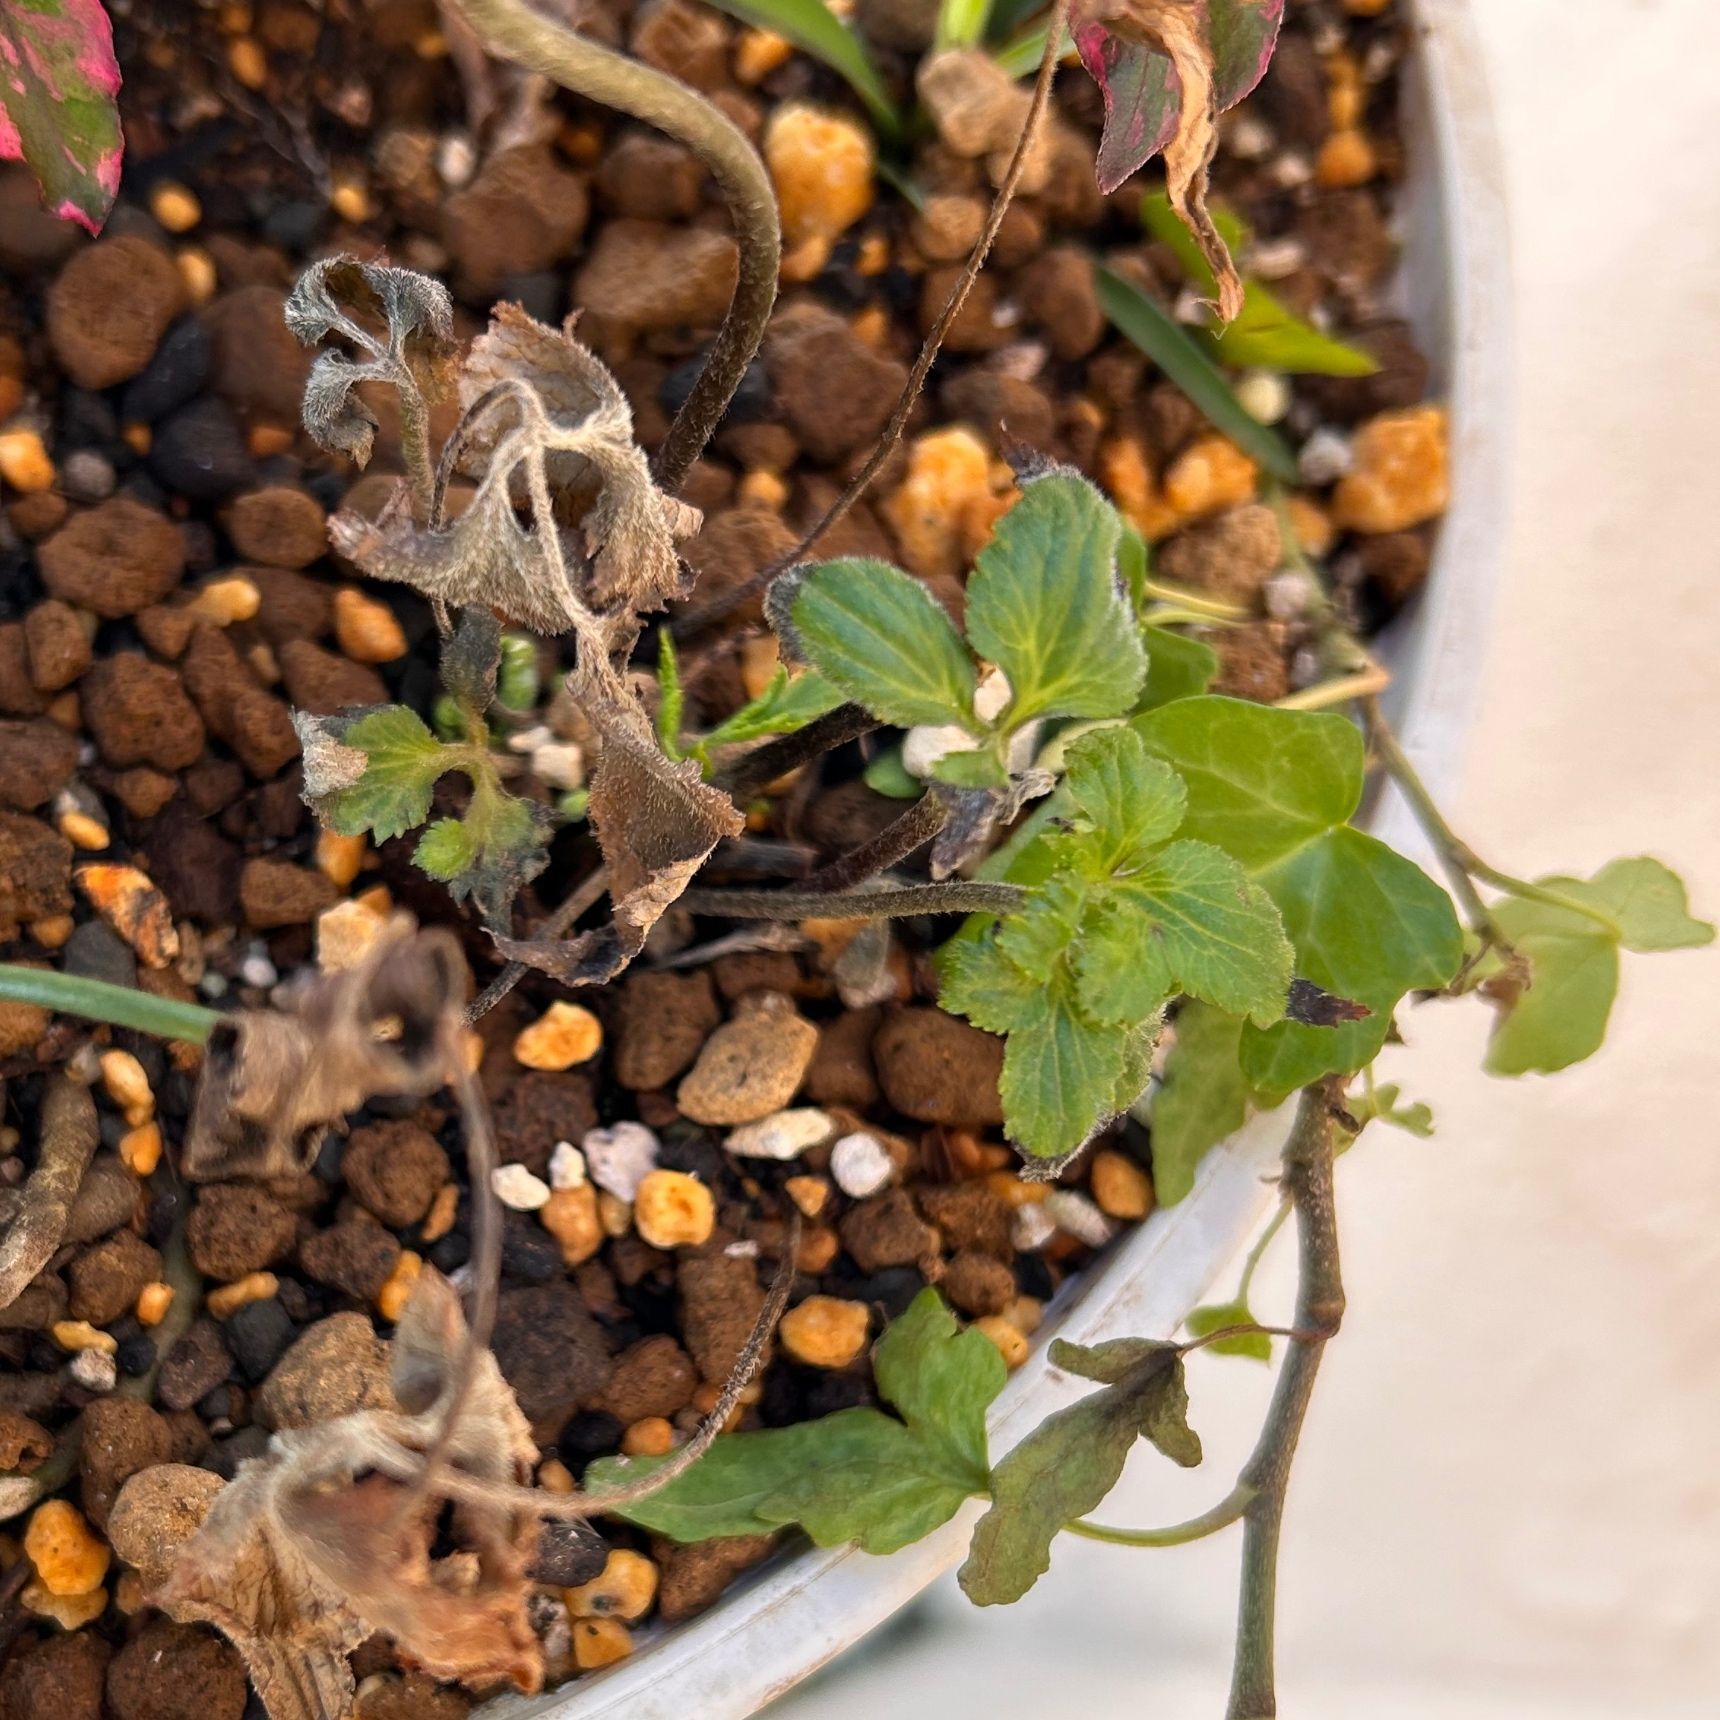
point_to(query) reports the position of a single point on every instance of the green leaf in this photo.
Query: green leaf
(887, 775)
(1061, 1074)
(1215, 1316)
(670, 700)
(1274, 788)
(404, 762)
(816, 30)
(1648, 901)
(880, 637)
(508, 839)
(970, 769)
(1201, 1100)
(1038, 937)
(1261, 782)
(1380, 1105)
(1134, 800)
(1134, 564)
(1188, 919)
(446, 849)
(1173, 349)
(982, 983)
(942, 1380)
(857, 1475)
(1268, 335)
(1178, 667)
(1561, 1016)
(961, 24)
(58, 114)
(785, 706)
(1043, 603)
(1067, 1465)
(1367, 924)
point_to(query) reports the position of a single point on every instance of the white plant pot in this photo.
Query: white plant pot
(794, 1615)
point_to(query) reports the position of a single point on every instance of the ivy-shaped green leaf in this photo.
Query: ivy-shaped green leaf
(1067, 1465)
(1561, 1016)
(1216, 1316)
(1382, 1103)
(879, 636)
(1274, 789)
(859, 1475)
(1045, 605)
(1178, 667)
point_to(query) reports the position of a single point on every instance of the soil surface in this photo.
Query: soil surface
(167, 594)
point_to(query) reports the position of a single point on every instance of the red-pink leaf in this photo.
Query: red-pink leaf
(1140, 87)
(58, 81)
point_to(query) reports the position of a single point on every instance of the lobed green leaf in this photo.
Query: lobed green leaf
(404, 761)
(1201, 1100)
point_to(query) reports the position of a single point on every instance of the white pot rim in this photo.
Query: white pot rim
(777, 1628)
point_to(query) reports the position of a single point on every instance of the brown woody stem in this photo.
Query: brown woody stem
(1319, 1311)
(68, 1142)
(763, 765)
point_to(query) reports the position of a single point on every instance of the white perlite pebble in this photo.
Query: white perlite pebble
(1073, 1212)
(860, 1165)
(783, 1135)
(566, 1166)
(560, 764)
(620, 1159)
(1324, 458)
(94, 1370)
(514, 1186)
(1031, 1227)
(1264, 396)
(1289, 595)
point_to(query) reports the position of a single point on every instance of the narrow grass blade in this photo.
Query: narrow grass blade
(816, 30)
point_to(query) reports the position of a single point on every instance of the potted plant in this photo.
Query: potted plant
(1124, 845)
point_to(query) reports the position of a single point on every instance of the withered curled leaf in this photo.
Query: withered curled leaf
(546, 428)
(322, 1542)
(418, 314)
(656, 820)
(272, 1081)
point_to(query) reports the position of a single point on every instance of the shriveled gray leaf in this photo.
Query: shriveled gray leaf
(318, 1545)
(328, 298)
(548, 428)
(272, 1081)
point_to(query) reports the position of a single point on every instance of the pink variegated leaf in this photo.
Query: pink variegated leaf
(58, 81)
(1166, 69)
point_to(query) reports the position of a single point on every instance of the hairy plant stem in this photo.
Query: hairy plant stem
(96, 1000)
(1361, 683)
(763, 765)
(895, 842)
(857, 486)
(1196, 603)
(1319, 1311)
(512, 30)
(893, 902)
(1461, 864)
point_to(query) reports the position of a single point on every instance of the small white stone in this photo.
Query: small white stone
(560, 764)
(991, 695)
(925, 744)
(1249, 138)
(514, 1186)
(1274, 259)
(1031, 1227)
(1193, 308)
(746, 1249)
(1072, 1211)
(621, 1158)
(566, 1166)
(1324, 458)
(1305, 668)
(456, 159)
(1264, 395)
(1291, 171)
(94, 1370)
(529, 740)
(861, 1165)
(256, 969)
(1289, 595)
(782, 1135)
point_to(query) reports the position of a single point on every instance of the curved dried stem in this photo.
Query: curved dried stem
(513, 31)
(586, 895)
(895, 842)
(68, 1142)
(718, 607)
(893, 902)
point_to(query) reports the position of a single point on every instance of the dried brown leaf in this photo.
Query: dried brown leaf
(272, 1081)
(657, 822)
(1180, 32)
(321, 1543)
